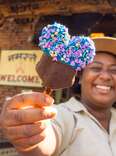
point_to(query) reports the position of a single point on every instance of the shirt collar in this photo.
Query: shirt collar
(113, 121)
(74, 105)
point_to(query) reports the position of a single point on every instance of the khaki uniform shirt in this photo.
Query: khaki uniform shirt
(80, 134)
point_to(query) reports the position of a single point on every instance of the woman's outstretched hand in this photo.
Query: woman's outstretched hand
(23, 119)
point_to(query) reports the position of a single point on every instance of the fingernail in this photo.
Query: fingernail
(49, 100)
(50, 111)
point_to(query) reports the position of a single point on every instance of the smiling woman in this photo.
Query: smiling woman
(84, 128)
(105, 48)
(98, 81)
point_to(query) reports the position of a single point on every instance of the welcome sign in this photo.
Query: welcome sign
(17, 67)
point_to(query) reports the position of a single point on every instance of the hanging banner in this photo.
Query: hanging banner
(17, 67)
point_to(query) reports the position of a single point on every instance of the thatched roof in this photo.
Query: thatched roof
(55, 7)
(30, 10)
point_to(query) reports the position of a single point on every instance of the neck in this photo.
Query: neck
(103, 115)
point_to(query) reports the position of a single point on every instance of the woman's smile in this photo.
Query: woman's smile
(99, 81)
(103, 89)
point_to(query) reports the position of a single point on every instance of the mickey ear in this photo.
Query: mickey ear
(54, 38)
(82, 52)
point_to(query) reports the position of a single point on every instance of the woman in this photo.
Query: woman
(85, 128)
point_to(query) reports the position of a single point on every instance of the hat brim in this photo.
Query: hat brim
(106, 44)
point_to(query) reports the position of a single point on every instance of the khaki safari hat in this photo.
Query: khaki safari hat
(107, 44)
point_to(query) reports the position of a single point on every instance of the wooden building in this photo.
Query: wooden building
(19, 19)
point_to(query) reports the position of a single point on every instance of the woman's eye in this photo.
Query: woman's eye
(95, 69)
(112, 71)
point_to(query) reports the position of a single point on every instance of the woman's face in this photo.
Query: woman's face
(98, 82)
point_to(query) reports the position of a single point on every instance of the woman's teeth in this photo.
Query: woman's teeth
(103, 88)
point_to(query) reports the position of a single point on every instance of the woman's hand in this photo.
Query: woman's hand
(23, 117)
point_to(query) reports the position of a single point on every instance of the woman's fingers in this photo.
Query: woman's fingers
(26, 116)
(24, 131)
(28, 143)
(34, 99)
(22, 117)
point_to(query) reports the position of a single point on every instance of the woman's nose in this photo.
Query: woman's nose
(104, 74)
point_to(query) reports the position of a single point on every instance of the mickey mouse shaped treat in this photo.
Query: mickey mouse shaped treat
(63, 56)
